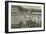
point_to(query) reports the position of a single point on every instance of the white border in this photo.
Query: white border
(24, 29)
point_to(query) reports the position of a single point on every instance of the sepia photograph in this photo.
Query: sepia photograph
(25, 16)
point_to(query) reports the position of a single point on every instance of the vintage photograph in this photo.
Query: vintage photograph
(23, 16)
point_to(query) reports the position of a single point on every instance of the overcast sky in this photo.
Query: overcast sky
(31, 7)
